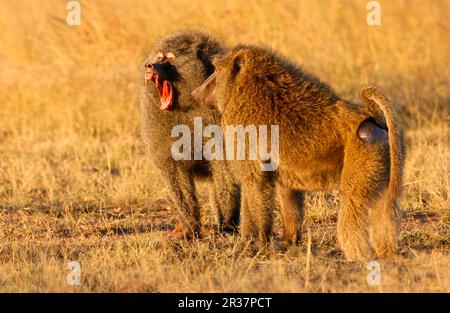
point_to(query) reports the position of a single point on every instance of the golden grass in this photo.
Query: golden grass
(75, 184)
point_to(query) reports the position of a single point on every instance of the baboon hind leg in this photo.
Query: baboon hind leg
(355, 193)
(384, 227)
(291, 203)
(365, 223)
(352, 226)
(384, 214)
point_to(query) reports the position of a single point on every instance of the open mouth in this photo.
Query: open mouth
(164, 88)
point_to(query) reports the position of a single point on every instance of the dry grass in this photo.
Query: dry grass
(75, 185)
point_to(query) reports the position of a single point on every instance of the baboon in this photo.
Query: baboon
(173, 69)
(324, 143)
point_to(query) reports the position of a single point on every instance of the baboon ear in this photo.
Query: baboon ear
(238, 65)
(206, 50)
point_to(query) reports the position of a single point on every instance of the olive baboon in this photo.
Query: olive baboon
(324, 143)
(176, 66)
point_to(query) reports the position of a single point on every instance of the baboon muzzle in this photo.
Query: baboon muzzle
(157, 73)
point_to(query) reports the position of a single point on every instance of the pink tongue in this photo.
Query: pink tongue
(166, 97)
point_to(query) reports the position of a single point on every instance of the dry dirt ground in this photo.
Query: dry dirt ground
(75, 184)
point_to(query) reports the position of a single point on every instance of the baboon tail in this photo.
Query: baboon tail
(372, 96)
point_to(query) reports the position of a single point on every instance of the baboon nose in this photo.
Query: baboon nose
(149, 66)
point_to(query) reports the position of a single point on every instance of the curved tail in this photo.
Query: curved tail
(376, 100)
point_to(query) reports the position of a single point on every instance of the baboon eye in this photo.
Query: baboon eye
(272, 78)
(159, 56)
(170, 56)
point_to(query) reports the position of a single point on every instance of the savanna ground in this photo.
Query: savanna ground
(75, 184)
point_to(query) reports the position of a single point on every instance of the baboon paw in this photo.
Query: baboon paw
(357, 255)
(263, 247)
(180, 233)
(176, 233)
(247, 233)
(209, 230)
(291, 238)
(385, 242)
(356, 251)
(228, 229)
(386, 251)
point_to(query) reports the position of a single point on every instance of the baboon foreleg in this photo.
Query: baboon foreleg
(291, 204)
(247, 228)
(182, 192)
(259, 197)
(225, 202)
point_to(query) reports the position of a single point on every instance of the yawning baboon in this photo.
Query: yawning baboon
(174, 68)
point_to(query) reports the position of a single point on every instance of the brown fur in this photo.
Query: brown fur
(322, 147)
(194, 51)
